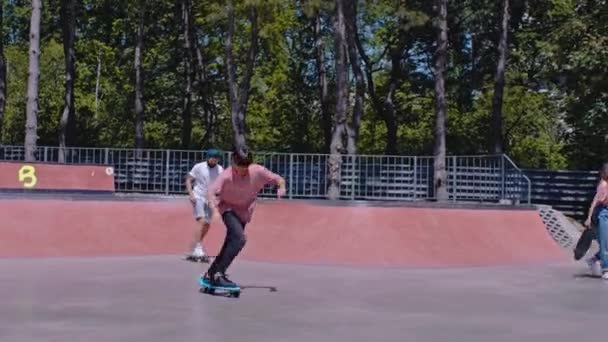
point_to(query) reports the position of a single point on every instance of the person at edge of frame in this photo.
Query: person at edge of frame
(598, 217)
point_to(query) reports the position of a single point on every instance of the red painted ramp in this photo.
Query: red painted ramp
(282, 232)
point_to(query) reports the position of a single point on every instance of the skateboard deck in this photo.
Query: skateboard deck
(204, 259)
(208, 288)
(583, 244)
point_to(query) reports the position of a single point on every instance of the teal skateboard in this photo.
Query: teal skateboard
(210, 289)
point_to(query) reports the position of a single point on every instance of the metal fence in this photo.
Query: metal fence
(570, 192)
(484, 178)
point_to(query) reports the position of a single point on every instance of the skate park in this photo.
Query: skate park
(439, 160)
(83, 258)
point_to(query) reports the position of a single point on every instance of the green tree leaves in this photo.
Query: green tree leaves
(555, 105)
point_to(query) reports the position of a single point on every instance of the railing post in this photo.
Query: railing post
(167, 167)
(502, 174)
(352, 177)
(106, 156)
(46, 149)
(529, 189)
(415, 179)
(289, 187)
(454, 183)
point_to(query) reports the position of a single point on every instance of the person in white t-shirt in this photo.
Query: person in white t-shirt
(197, 184)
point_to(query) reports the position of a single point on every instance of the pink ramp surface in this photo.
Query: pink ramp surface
(40, 176)
(281, 231)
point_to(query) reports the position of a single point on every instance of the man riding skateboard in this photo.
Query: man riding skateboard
(234, 194)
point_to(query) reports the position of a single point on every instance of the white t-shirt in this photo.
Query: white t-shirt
(203, 177)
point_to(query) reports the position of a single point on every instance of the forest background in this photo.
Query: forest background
(444, 77)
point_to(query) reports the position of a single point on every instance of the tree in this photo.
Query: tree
(440, 173)
(2, 71)
(31, 125)
(68, 18)
(203, 84)
(350, 14)
(554, 60)
(139, 80)
(189, 73)
(238, 95)
(570, 42)
(499, 81)
(340, 120)
(386, 109)
(322, 79)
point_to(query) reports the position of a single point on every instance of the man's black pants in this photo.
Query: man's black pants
(233, 243)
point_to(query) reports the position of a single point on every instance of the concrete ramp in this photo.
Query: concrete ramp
(282, 231)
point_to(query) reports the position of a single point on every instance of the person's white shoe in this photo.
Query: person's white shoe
(594, 266)
(198, 252)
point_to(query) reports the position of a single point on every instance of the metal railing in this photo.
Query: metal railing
(483, 178)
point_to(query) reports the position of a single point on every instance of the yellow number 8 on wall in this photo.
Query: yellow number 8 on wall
(27, 176)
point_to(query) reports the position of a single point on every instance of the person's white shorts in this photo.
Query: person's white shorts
(202, 210)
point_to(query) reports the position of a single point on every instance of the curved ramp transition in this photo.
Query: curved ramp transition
(282, 231)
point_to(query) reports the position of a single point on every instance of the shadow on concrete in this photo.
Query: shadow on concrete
(587, 275)
(269, 288)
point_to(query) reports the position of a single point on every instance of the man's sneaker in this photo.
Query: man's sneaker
(594, 266)
(227, 281)
(220, 280)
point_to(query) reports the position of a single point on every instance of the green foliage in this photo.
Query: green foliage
(555, 104)
(532, 129)
(50, 90)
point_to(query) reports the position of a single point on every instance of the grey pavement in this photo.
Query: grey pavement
(156, 299)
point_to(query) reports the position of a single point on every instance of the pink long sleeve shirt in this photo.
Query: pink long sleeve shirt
(239, 193)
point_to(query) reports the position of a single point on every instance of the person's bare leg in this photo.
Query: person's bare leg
(204, 230)
(199, 232)
(196, 248)
(198, 251)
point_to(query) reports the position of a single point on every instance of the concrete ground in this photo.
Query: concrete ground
(152, 299)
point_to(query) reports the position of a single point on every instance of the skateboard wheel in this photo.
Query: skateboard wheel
(236, 294)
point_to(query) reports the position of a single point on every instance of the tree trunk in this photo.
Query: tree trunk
(238, 95)
(340, 129)
(31, 123)
(385, 109)
(440, 176)
(204, 92)
(139, 82)
(322, 79)
(97, 81)
(68, 11)
(189, 61)
(355, 63)
(499, 81)
(2, 72)
(390, 118)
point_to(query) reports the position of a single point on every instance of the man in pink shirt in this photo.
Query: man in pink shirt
(237, 188)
